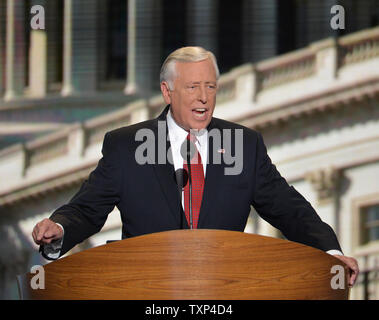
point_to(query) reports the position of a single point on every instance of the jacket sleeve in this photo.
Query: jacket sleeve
(285, 208)
(88, 210)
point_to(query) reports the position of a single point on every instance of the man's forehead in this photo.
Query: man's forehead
(192, 70)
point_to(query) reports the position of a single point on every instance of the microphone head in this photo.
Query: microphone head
(181, 178)
(187, 148)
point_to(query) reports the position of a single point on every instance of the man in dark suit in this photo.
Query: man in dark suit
(137, 174)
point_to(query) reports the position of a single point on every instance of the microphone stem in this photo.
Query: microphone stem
(190, 183)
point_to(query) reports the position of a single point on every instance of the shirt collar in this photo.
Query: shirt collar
(177, 133)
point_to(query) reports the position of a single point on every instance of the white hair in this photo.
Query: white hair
(185, 54)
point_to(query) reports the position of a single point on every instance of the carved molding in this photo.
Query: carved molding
(39, 189)
(325, 183)
(365, 90)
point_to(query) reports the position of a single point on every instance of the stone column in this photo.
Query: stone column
(2, 46)
(259, 30)
(202, 24)
(79, 47)
(15, 49)
(38, 58)
(144, 47)
(131, 85)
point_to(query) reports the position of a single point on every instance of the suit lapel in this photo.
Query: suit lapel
(165, 171)
(214, 174)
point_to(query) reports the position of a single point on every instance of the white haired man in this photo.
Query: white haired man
(147, 194)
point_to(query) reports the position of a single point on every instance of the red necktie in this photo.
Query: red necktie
(197, 174)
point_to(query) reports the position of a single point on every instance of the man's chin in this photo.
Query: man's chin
(197, 127)
(200, 124)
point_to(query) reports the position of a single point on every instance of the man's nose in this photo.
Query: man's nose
(203, 95)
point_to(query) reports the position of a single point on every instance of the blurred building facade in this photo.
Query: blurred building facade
(310, 90)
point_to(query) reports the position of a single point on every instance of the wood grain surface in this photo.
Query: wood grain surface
(191, 264)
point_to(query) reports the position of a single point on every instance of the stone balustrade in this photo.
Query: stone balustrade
(292, 67)
(359, 47)
(61, 147)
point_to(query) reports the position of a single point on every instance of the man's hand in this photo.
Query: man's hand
(46, 231)
(353, 268)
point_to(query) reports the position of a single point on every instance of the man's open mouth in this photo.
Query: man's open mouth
(199, 111)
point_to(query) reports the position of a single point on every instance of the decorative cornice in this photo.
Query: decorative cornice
(53, 183)
(307, 105)
(325, 183)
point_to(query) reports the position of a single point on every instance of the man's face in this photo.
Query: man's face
(193, 98)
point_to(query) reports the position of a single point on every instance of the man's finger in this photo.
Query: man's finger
(34, 235)
(48, 234)
(46, 231)
(352, 264)
(41, 232)
(47, 240)
(54, 232)
(354, 271)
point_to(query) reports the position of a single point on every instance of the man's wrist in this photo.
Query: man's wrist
(59, 225)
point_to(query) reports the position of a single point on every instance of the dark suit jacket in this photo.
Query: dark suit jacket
(148, 199)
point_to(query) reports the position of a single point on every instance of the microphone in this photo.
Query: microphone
(181, 179)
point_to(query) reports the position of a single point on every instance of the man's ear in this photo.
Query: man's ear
(166, 92)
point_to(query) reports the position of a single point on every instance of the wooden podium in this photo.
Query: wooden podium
(191, 264)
